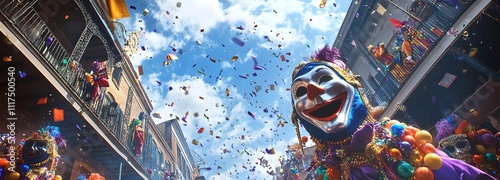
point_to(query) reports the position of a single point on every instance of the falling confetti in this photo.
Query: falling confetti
(256, 64)
(234, 58)
(22, 74)
(201, 130)
(238, 41)
(251, 114)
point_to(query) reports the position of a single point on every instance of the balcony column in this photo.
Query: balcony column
(81, 45)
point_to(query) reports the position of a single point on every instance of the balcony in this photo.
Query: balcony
(431, 21)
(65, 42)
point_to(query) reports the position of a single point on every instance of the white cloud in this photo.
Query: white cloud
(154, 43)
(226, 64)
(249, 55)
(193, 15)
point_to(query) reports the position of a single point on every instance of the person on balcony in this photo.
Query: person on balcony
(97, 78)
(351, 143)
(137, 136)
(382, 54)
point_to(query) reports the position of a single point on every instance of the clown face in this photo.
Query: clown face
(322, 98)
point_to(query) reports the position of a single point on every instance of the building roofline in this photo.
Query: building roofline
(175, 124)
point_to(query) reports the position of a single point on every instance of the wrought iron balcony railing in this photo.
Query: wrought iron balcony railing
(25, 19)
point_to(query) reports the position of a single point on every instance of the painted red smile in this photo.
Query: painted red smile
(328, 110)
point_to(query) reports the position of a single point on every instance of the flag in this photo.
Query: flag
(58, 115)
(396, 23)
(141, 72)
(117, 9)
(42, 101)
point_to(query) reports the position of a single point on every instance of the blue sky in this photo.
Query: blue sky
(299, 23)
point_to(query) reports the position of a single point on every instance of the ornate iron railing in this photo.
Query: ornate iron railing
(32, 27)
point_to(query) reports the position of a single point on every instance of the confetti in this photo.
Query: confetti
(22, 74)
(238, 41)
(195, 142)
(234, 58)
(49, 41)
(283, 58)
(7, 58)
(251, 114)
(201, 130)
(256, 64)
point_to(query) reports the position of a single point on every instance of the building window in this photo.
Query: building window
(117, 74)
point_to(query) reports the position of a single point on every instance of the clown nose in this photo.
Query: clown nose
(313, 91)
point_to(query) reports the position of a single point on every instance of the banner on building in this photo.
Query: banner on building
(447, 80)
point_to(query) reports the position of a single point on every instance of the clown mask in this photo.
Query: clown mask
(323, 98)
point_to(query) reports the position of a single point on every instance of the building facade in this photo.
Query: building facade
(66, 69)
(185, 165)
(405, 54)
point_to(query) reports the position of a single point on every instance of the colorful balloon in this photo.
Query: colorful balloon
(397, 129)
(24, 168)
(427, 148)
(4, 162)
(13, 176)
(423, 136)
(477, 159)
(405, 169)
(395, 153)
(390, 123)
(433, 161)
(423, 173)
(58, 177)
(481, 149)
(333, 173)
(490, 157)
(412, 130)
(410, 139)
(488, 140)
(405, 147)
(416, 158)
